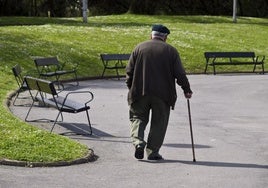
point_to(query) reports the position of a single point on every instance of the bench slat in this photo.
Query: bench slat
(229, 54)
(109, 57)
(236, 63)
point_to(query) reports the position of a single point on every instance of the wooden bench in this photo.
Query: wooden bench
(50, 67)
(233, 58)
(48, 96)
(114, 61)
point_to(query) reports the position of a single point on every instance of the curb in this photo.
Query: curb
(90, 157)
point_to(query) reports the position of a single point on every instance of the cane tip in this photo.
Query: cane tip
(194, 160)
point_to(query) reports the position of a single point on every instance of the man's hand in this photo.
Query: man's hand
(188, 95)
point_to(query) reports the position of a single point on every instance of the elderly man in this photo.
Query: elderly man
(153, 68)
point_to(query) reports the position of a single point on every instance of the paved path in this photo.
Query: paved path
(229, 116)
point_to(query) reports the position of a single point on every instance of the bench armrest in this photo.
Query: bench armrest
(79, 92)
(72, 65)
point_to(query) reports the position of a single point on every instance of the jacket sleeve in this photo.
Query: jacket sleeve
(180, 75)
(182, 80)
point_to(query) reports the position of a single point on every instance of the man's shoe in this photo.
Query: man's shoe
(155, 157)
(139, 152)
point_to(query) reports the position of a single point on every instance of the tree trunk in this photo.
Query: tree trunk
(84, 9)
(234, 10)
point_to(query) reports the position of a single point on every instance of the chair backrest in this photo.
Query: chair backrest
(17, 73)
(40, 85)
(47, 64)
(229, 54)
(31, 83)
(46, 61)
(46, 86)
(110, 57)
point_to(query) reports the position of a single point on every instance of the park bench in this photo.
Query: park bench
(114, 61)
(46, 94)
(233, 58)
(17, 72)
(48, 67)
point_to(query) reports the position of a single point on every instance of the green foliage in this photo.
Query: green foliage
(72, 41)
(73, 8)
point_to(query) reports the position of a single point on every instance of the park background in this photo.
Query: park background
(27, 31)
(72, 8)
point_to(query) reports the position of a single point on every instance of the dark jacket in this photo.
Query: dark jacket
(153, 68)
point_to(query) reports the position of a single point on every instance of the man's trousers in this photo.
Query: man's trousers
(139, 115)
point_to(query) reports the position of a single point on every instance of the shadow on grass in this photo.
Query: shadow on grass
(30, 21)
(200, 19)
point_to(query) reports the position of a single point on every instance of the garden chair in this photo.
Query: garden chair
(22, 86)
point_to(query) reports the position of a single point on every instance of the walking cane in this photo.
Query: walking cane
(191, 130)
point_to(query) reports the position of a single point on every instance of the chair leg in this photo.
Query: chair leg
(205, 71)
(103, 72)
(77, 82)
(56, 120)
(117, 73)
(29, 111)
(17, 95)
(89, 124)
(254, 68)
(214, 70)
(59, 83)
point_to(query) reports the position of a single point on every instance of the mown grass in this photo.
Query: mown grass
(72, 41)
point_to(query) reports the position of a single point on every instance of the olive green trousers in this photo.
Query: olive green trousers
(139, 115)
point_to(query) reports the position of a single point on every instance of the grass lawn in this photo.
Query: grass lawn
(72, 41)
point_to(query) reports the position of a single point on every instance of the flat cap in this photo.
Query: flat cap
(161, 29)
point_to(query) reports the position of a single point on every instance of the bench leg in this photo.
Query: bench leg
(103, 72)
(254, 68)
(89, 124)
(206, 69)
(214, 70)
(18, 92)
(262, 68)
(60, 113)
(75, 76)
(26, 118)
(31, 106)
(56, 120)
(117, 73)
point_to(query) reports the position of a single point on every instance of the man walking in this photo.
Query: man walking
(153, 68)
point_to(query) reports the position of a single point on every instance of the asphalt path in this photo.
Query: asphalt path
(229, 120)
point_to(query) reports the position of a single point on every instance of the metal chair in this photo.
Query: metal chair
(49, 67)
(48, 96)
(22, 86)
